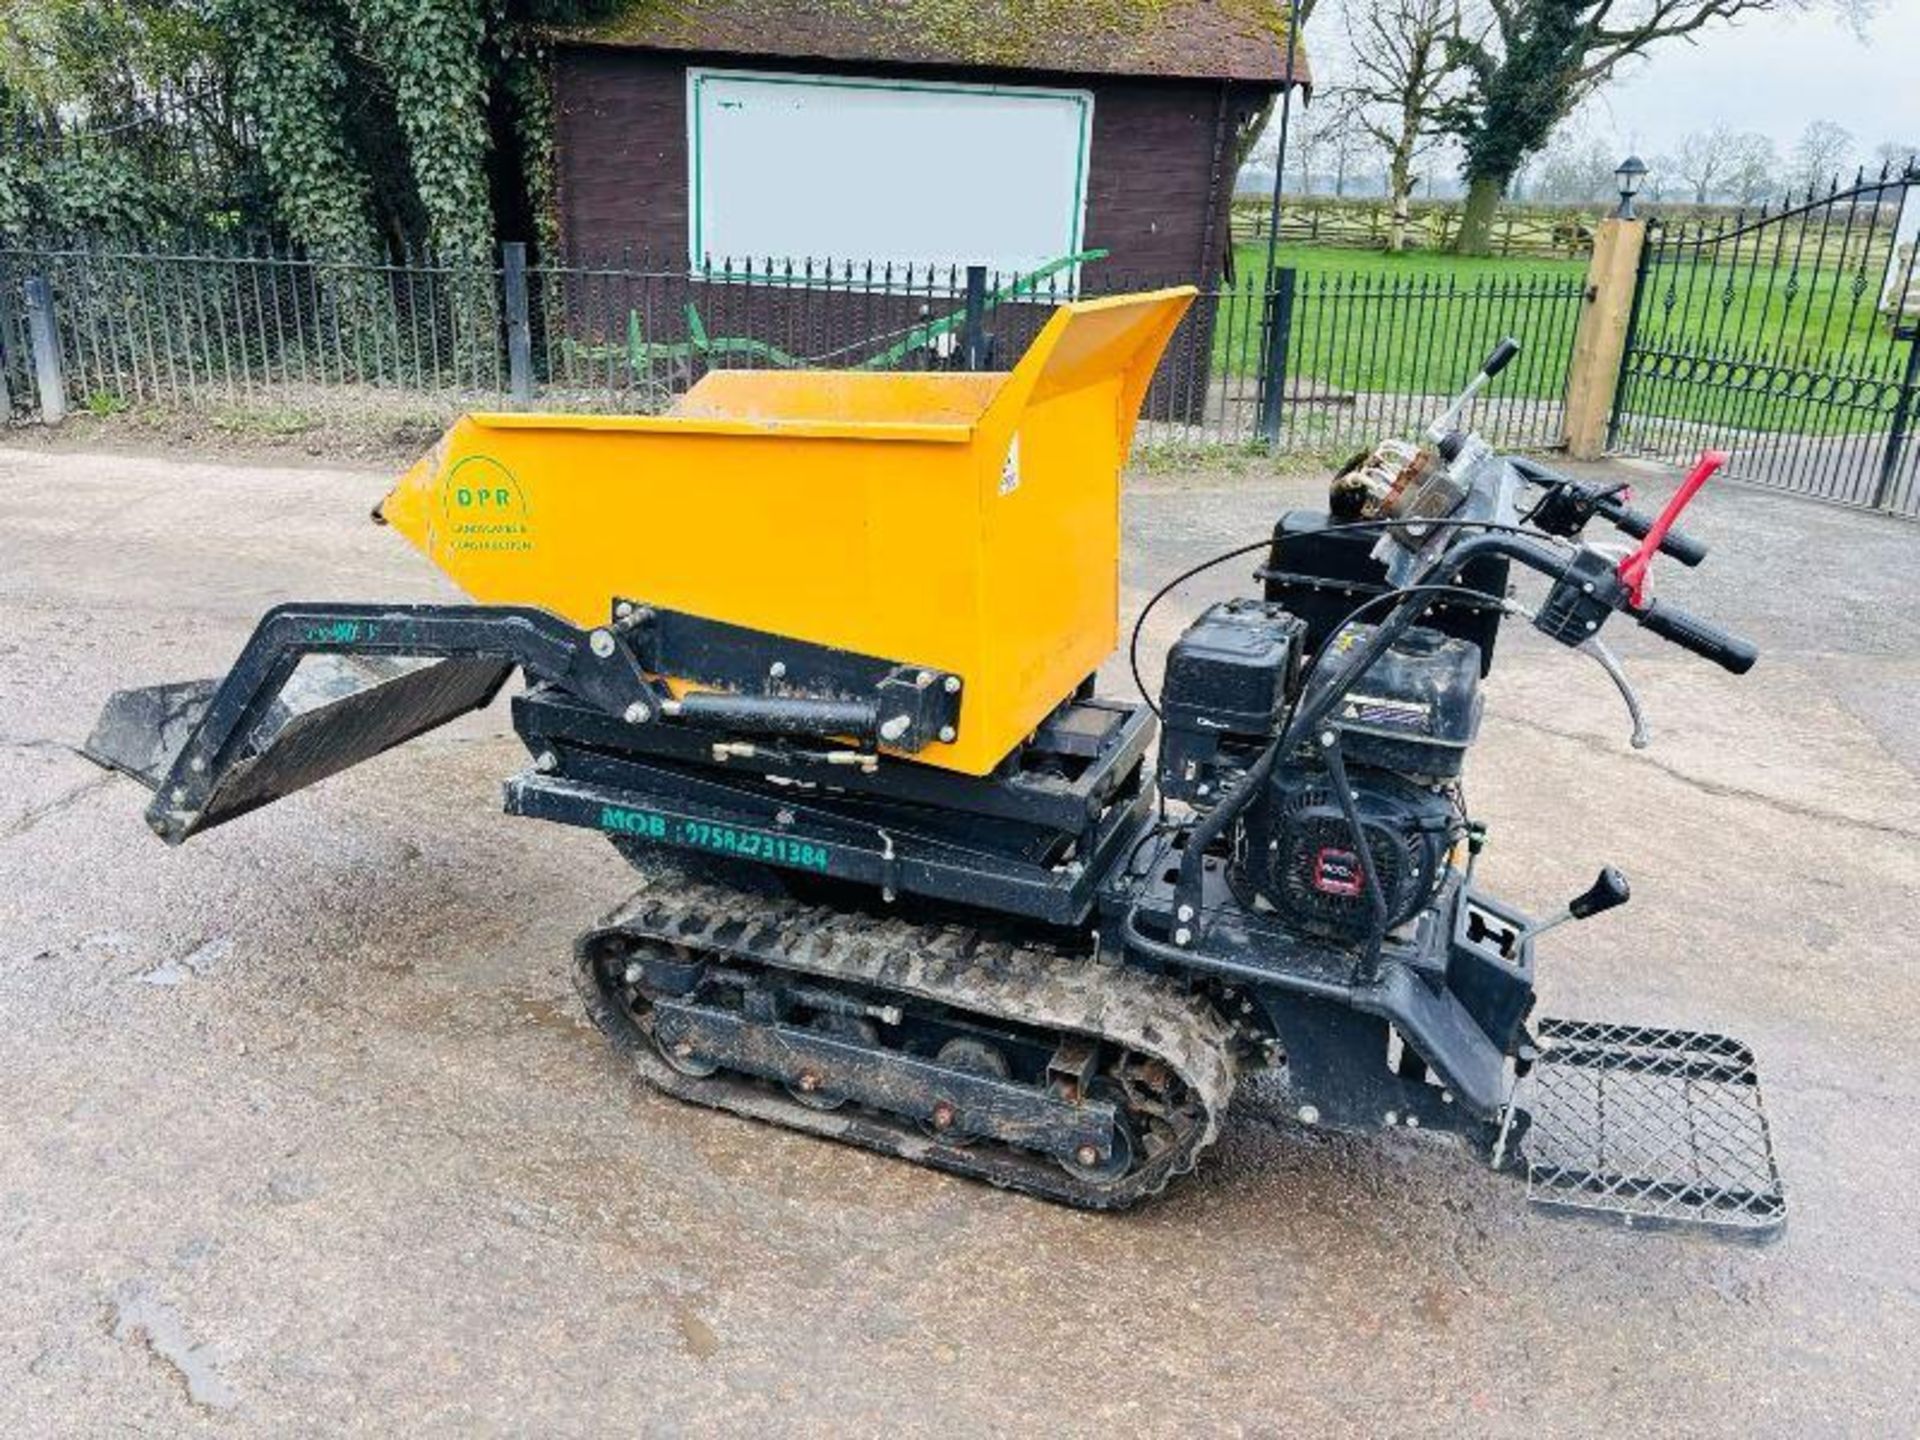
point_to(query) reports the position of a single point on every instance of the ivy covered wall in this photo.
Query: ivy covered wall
(343, 126)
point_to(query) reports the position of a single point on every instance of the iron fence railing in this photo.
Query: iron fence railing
(1300, 359)
(16, 375)
(143, 328)
(1371, 355)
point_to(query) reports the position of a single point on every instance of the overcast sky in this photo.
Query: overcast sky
(1774, 73)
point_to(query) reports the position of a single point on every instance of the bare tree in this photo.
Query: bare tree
(1753, 171)
(1256, 125)
(1403, 63)
(1658, 186)
(1897, 157)
(1703, 159)
(1350, 143)
(1330, 133)
(1304, 146)
(1821, 153)
(1575, 167)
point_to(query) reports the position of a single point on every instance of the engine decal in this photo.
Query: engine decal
(1337, 872)
(1410, 715)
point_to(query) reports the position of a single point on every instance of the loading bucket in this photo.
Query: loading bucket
(968, 523)
(263, 733)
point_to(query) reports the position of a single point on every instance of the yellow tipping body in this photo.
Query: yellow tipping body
(965, 522)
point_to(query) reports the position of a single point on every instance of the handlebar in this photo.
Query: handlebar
(1578, 502)
(1586, 588)
(1727, 650)
(1676, 543)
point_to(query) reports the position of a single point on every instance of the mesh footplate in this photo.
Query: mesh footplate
(1651, 1127)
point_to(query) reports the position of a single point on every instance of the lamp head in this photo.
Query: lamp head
(1630, 173)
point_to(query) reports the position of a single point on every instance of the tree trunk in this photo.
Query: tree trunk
(1251, 129)
(1476, 220)
(1399, 190)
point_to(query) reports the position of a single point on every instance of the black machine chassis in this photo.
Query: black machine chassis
(1337, 1013)
(1030, 841)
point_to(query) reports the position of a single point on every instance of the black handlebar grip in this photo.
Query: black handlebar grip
(1677, 543)
(1690, 632)
(1502, 353)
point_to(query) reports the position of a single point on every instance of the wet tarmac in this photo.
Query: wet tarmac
(302, 1132)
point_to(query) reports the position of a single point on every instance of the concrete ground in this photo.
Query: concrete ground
(301, 1131)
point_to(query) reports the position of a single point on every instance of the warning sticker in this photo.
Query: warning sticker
(1010, 468)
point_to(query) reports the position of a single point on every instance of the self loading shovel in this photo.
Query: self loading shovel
(815, 650)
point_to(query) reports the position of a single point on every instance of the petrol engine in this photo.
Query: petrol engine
(1398, 743)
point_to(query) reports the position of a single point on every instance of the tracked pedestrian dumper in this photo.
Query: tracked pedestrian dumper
(816, 651)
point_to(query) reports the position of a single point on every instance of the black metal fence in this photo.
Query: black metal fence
(1789, 337)
(1300, 359)
(160, 329)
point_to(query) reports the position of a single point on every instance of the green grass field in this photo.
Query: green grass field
(1404, 324)
(1767, 342)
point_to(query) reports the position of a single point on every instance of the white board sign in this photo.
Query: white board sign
(792, 167)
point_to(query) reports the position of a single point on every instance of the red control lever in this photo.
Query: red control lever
(1633, 570)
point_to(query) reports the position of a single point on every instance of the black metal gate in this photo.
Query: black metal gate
(1790, 338)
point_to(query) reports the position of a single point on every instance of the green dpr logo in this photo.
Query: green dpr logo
(484, 508)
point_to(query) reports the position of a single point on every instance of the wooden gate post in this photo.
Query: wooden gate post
(1601, 341)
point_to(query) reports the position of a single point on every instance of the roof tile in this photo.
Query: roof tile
(1211, 39)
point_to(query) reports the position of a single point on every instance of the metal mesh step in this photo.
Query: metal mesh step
(1651, 1128)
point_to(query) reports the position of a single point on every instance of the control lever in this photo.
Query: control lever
(1596, 647)
(1569, 504)
(1609, 892)
(1502, 355)
(1633, 569)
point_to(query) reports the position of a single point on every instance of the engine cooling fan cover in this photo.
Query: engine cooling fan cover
(1305, 861)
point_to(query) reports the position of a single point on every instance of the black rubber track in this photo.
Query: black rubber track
(950, 965)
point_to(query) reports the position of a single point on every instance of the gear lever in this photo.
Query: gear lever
(1608, 892)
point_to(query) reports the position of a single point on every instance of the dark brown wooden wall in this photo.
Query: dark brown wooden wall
(620, 128)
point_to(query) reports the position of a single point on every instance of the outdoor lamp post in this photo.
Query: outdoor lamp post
(1631, 172)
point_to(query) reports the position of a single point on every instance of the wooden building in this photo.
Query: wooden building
(913, 131)
(707, 138)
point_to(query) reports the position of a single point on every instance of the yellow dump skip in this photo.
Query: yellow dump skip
(965, 522)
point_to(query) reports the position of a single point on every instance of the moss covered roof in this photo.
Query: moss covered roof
(1211, 39)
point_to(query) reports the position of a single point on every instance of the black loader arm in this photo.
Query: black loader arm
(321, 687)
